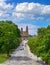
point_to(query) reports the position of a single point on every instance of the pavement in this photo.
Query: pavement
(23, 56)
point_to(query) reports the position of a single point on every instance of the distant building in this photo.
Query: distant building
(24, 34)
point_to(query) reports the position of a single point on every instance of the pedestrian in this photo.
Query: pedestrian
(44, 63)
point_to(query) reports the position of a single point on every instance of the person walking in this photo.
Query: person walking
(44, 63)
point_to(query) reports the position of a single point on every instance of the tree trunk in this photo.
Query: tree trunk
(8, 54)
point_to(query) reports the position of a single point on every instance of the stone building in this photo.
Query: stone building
(24, 34)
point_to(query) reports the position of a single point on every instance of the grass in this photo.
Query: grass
(3, 58)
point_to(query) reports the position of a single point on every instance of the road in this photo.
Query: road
(22, 56)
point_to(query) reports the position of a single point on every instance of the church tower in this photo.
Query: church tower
(21, 29)
(24, 34)
(26, 28)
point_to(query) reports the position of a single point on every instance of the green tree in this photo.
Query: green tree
(40, 44)
(9, 36)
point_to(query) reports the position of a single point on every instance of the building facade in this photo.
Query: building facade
(24, 34)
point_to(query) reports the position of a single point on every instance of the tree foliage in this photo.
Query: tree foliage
(40, 44)
(9, 36)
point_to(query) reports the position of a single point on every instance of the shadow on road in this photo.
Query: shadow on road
(20, 58)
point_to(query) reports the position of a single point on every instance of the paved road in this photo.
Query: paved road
(22, 56)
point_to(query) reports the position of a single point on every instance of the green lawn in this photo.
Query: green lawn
(3, 58)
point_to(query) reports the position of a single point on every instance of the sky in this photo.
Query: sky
(32, 13)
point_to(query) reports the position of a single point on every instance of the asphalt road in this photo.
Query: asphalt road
(22, 56)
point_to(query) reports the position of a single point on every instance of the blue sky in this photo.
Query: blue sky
(34, 13)
(46, 2)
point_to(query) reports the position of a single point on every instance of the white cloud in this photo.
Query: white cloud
(46, 9)
(18, 14)
(31, 10)
(2, 0)
(1, 13)
(5, 8)
(28, 7)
